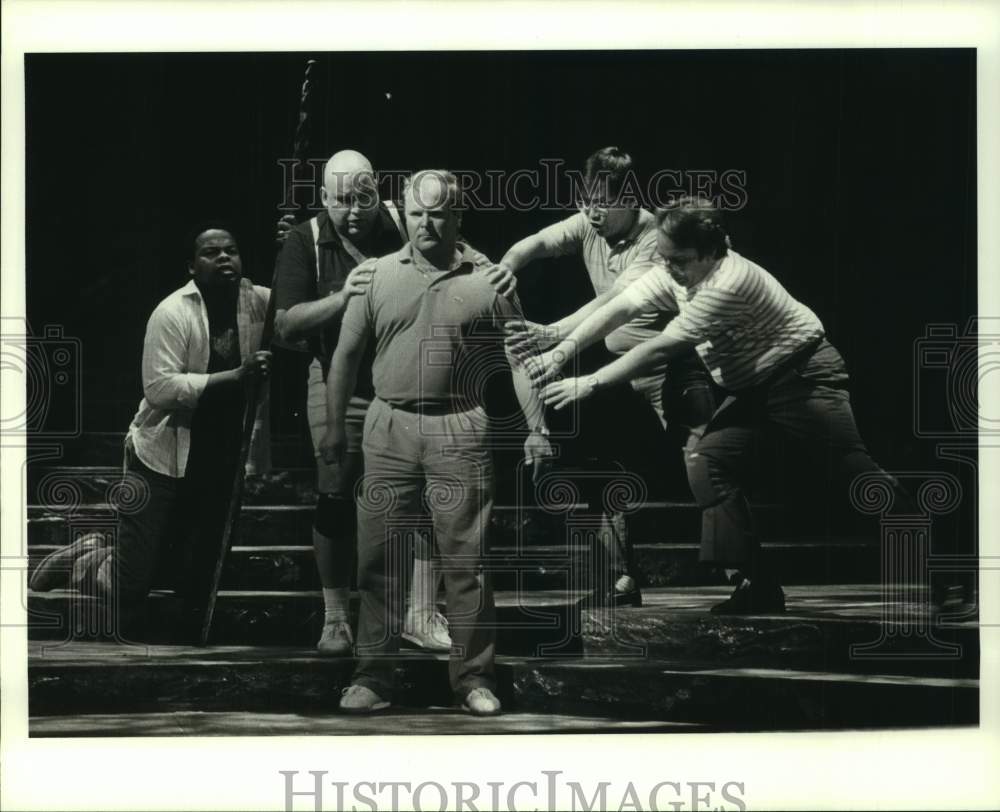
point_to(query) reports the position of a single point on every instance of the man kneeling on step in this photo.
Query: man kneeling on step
(182, 449)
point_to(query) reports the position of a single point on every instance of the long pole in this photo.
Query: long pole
(300, 145)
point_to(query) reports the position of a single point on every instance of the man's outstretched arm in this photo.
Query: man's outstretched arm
(603, 320)
(639, 360)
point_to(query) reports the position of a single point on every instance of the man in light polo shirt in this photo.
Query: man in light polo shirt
(323, 263)
(616, 240)
(763, 347)
(435, 324)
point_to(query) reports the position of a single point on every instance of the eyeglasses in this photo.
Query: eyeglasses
(680, 262)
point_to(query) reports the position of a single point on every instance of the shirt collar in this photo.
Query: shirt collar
(637, 228)
(191, 289)
(466, 257)
(726, 260)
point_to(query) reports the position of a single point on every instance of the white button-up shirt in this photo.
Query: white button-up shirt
(175, 358)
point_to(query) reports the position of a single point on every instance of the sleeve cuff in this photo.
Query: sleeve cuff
(197, 381)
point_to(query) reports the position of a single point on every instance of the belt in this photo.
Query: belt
(792, 361)
(427, 410)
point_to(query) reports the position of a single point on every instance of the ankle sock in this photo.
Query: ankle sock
(423, 586)
(335, 605)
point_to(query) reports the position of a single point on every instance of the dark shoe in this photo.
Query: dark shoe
(753, 599)
(613, 597)
(55, 569)
(481, 702)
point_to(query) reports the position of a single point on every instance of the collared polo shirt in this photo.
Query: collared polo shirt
(436, 333)
(609, 265)
(742, 321)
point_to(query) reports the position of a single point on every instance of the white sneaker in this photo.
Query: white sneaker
(359, 699)
(427, 630)
(481, 702)
(336, 640)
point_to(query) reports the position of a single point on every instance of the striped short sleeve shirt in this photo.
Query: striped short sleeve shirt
(741, 320)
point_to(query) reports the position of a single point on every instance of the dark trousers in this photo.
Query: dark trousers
(685, 403)
(807, 400)
(689, 398)
(420, 467)
(147, 525)
(167, 535)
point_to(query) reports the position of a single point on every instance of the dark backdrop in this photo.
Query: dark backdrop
(860, 169)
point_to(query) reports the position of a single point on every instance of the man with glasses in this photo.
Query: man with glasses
(765, 349)
(617, 241)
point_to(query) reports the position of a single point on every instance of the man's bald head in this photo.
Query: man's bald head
(347, 161)
(350, 193)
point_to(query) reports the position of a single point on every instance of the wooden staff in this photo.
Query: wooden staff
(255, 392)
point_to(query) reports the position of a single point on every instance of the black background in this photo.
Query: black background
(860, 170)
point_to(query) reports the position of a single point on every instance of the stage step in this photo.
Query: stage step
(820, 630)
(77, 489)
(83, 688)
(556, 566)
(530, 623)
(105, 448)
(817, 631)
(431, 721)
(61, 514)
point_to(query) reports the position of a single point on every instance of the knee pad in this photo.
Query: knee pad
(334, 515)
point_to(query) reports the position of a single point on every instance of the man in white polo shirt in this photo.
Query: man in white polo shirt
(765, 349)
(616, 239)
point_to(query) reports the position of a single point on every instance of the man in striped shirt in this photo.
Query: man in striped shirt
(765, 349)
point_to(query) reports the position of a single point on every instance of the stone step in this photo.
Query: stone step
(56, 523)
(105, 448)
(429, 721)
(559, 566)
(528, 623)
(81, 688)
(73, 490)
(820, 629)
(817, 631)
(745, 698)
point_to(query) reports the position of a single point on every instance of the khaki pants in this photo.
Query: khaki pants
(420, 471)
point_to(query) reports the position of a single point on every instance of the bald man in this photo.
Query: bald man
(323, 264)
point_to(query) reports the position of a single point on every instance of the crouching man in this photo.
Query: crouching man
(182, 448)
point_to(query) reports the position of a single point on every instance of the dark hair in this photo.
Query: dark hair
(694, 222)
(196, 231)
(611, 165)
